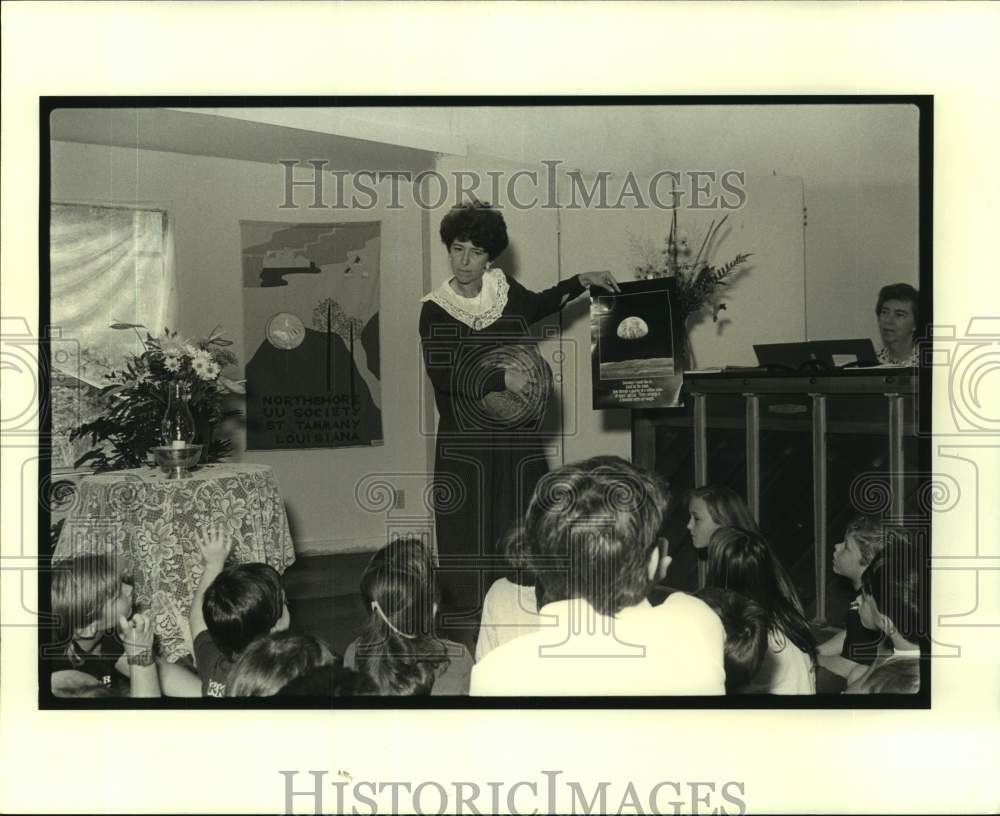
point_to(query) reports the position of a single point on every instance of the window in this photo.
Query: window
(108, 264)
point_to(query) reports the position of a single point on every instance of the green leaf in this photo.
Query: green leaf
(120, 326)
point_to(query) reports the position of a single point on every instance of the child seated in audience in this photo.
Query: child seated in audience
(398, 648)
(590, 536)
(892, 602)
(90, 599)
(742, 560)
(330, 681)
(510, 608)
(855, 645)
(713, 506)
(746, 625)
(273, 661)
(710, 507)
(232, 607)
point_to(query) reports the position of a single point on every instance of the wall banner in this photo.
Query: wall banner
(311, 331)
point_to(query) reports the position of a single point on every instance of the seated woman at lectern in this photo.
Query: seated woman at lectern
(898, 312)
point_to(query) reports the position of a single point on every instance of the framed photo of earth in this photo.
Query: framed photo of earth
(635, 342)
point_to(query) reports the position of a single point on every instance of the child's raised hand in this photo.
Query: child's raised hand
(137, 633)
(214, 545)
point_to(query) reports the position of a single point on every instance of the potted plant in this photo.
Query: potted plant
(700, 283)
(137, 394)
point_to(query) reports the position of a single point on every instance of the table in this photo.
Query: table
(150, 522)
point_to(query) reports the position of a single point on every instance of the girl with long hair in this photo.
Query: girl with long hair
(399, 648)
(741, 560)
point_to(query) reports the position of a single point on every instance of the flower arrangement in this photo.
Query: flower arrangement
(700, 284)
(136, 398)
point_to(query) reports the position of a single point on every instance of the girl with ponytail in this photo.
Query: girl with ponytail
(398, 648)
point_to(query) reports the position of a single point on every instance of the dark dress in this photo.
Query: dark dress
(484, 470)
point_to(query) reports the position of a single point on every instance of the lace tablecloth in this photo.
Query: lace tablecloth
(149, 522)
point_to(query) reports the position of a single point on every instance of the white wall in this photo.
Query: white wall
(860, 237)
(858, 165)
(206, 198)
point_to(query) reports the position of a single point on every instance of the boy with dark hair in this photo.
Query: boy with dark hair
(855, 645)
(746, 624)
(231, 608)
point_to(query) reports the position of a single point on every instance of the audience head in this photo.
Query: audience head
(743, 561)
(892, 598)
(398, 647)
(746, 624)
(514, 548)
(273, 661)
(89, 595)
(863, 541)
(399, 588)
(332, 680)
(77, 684)
(479, 224)
(898, 313)
(893, 677)
(713, 506)
(244, 602)
(592, 530)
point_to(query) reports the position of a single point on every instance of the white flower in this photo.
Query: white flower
(172, 363)
(192, 350)
(203, 367)
(213, 370)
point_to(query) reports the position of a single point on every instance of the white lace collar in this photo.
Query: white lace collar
(476, 312)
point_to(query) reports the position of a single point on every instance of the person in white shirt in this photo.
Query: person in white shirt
(510, 608)
(590, 538)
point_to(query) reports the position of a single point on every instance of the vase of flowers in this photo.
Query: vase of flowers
(700, 283)
(170, 373)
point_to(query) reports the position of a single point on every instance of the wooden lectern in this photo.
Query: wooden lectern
(807, 452)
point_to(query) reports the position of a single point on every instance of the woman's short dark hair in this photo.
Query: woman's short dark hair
(905, 293)
(241, 604)
(478, 223)
(590, 528)
(895, 580)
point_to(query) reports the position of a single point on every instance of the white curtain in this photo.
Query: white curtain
(108, 264)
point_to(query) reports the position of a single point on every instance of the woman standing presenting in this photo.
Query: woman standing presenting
(489, 387)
